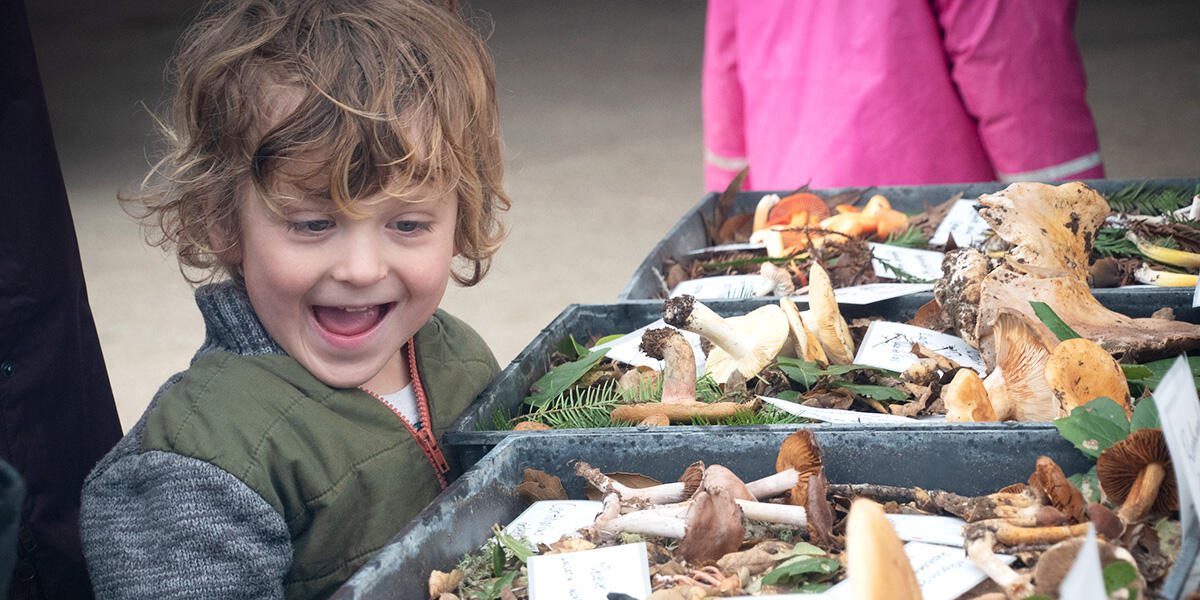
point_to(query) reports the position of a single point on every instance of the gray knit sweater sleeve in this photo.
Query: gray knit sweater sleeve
(161, 525)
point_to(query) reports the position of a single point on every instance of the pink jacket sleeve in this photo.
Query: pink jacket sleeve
(1020, 75)
(721, 95)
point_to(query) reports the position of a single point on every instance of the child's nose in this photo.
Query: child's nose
(360, 262)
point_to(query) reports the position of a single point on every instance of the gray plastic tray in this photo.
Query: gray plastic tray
(962, 459)
(468, 437)
(689, 233)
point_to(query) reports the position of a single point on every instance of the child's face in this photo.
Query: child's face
(342, 295)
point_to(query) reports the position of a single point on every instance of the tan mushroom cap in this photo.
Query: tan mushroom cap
(802, 344)
(1052, 488)
(764, 329)
(801, 452)
(966, 399)
(714, 527)
(875, 559)
(1050, 227)
(1021, 358)
(718, 477)
(1054, 564)
(831, 328)
(1119, 466)
(1080, 371)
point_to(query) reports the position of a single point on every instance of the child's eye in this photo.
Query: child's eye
(316, 226)
(410, 226)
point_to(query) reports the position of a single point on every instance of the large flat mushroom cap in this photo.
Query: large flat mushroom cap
(1080, 371)
(1118, 466)
(1050, 227)
(767, 330)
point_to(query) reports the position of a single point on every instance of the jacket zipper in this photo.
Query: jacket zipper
(424, 436)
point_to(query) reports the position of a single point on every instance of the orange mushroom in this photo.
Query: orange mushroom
(798, 210)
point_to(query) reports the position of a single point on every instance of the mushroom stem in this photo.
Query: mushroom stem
(646, 522)
(679, 364)
(773, 485)
(680, 412)
(979, 549)
(1143, 492)
(685, 312)
(767, 487)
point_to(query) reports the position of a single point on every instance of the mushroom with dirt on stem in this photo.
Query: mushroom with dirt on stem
(1137, 473)
(746, 343)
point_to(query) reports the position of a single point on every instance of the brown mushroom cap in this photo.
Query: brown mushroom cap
(1118, 467)
(714, 527)
(801, 452)
(718, 477)
(875, 560)
(1054, 564)
(966, 399)
(1051, 487)
(691, 478)
(1080, 371)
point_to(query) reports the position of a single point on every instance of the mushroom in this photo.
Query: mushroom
(763, 209)
(1054, 564)
(1017, 386)
(1137, 473)
(878, 217)
(746, 343)
(803, 344)
(776, 281)
(1080, 371)
(714, 527)
(444, 583)
(966, 399)
(979, 543)
(1052, 488)
(875, 560)
(798, 210)
(1051, 227)
(531, 426)
(800, 453)
(679, 402)
(830, 327)
(819, 512)
(957, 292)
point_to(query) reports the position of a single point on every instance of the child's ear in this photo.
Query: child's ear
(224, 242)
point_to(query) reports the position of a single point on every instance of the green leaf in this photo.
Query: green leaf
(498, 559)
(1094, 426)
(816, 567)
(571, 349)
(1051, 320)
(608, 338)
(1159, 368)
(1119, 575)
(558, 379)
(806, 372)
(493, 589)
(878, 392)
(1145, 415)
(800, 549)
(518, 547)
(1136, 371)
(909, 238)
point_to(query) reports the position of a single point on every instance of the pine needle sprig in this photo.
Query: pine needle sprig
(1141, 198)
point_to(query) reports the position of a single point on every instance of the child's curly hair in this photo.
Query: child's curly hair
(392, 94)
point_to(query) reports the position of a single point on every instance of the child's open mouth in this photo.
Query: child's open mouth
(350, 321)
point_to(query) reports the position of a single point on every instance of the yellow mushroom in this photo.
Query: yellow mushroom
(1080, 371)
(966, 399)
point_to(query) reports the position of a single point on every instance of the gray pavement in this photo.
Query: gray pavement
(600, 104)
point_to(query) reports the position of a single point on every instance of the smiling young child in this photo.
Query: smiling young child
(333, 163)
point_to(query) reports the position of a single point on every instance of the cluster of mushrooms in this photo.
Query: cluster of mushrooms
(711, 534)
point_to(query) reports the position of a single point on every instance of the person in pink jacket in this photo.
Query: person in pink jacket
(894, 92)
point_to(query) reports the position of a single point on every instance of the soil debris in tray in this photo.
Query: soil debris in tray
(1068, 225)
(712, 534)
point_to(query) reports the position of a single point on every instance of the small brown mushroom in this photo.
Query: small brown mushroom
(746, 343)
(444, 583)
(966, 399)
(1054, 564)
(1052, 488)
(799, 452)
(1080, 371)
(1137, 472)
(714, 527)
(875, 560)
(531, 426)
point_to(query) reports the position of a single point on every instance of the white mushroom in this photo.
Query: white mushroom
(745, 344)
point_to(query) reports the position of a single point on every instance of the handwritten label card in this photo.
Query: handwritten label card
(872, 292)
(833, 415)
(547, 521)
(888, 345)
(721, 286)
(921, 264)
(590, 574)
(1179, 412)
(626, 348)
(1085, 579)
(964, 223)
(931, 529)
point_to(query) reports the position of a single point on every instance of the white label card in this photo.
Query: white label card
(626, 348)
(1179, 412)
(1085, 579)
(1196, 295)
(964, 222)
(931, 529)
(922, 264)
(888, 345)
(590, 574)
(943, 572)
(547, 521)
(721, 286)
(872, 292)
(833, 415)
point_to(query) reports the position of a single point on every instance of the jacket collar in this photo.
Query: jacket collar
(230, 323)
